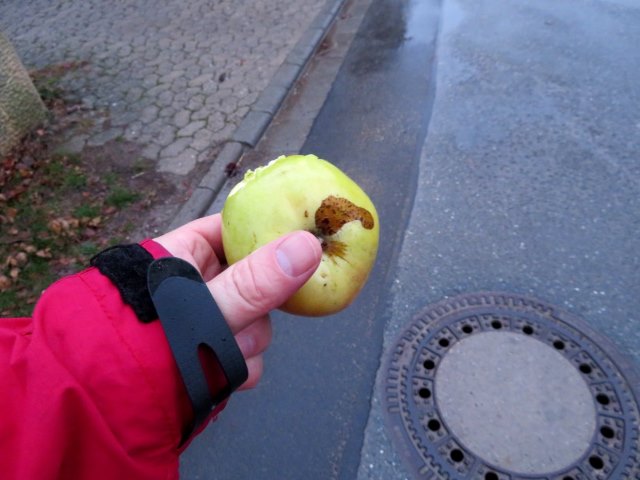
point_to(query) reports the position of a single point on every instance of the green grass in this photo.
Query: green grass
(48, 88)
(110, 179)
(88, 249)
(120, 197)
(8, 300)
(54, 170)
(75, 180)
(86, 211)
(59, 211)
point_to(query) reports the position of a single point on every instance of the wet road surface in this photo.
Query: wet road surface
(307, 419)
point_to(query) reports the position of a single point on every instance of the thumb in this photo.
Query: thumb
(264, 280)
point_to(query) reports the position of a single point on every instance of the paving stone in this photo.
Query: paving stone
(179, 84)
(196, 102)
(166, 136)
(201, 114)
(209, 87)
(192, 128)
(201, 144)
(149, 114)
(158, 89)
(200, 80)
(134, 94)
(151, 151)
(171, 76)
(228, 104)
(165, 98)
(181, 164)
(204, 134)
(122, 119)
(74, 145)
(133, 131)
(181, 119)
(175, 148)
(101, 138)
(167, 112)
(216, 122)
(150, 81)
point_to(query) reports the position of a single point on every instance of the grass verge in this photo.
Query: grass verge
(57, 209)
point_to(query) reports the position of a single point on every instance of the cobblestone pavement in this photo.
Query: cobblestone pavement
(174, 77)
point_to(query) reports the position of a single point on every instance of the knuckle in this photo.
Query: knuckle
(250, 286)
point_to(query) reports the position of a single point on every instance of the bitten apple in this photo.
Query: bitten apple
(303, 192)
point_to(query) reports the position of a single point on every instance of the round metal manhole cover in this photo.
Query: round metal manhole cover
(494, 386)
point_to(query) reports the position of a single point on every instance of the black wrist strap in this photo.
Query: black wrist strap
(191, 318)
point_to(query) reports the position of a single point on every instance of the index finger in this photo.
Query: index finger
(210, 229)
(200, 243)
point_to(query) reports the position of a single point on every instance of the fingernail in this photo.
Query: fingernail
(296, 254)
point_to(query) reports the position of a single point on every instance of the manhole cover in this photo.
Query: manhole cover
(494, 386)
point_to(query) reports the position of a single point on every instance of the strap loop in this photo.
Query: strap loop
(191, 318)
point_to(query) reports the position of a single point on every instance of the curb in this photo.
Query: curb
(254, 124)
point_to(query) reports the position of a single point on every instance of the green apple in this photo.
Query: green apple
(303, 192)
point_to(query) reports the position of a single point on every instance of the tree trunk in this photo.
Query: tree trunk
(21, 108)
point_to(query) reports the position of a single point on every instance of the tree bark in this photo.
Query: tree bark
(21, 108)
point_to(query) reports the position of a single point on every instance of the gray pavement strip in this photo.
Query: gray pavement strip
(259, 116)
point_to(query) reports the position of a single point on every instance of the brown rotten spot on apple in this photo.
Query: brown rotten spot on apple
(332, 215)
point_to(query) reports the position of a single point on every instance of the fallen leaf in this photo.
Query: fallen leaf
(11, 214)
(21, 259)
(45, 253)
(5, 282)
(95, 222)
(56, 226)
(14, 273)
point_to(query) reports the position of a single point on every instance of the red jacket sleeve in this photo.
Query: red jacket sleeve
(88, 391)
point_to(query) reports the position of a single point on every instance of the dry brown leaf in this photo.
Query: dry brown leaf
(11, 214)
(5, 282)
(61, 225)
(45, 253)
(95, 222)
(56, 226)
(14, 273)
(21, 259)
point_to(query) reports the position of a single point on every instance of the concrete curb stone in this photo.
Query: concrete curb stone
(259, 116)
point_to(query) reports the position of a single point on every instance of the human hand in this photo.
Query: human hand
(248, 290)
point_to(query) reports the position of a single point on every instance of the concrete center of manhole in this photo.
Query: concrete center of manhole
(515, 402)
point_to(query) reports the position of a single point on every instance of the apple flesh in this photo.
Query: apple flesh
(303, 192)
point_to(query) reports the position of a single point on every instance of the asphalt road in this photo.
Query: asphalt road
(500, 142)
